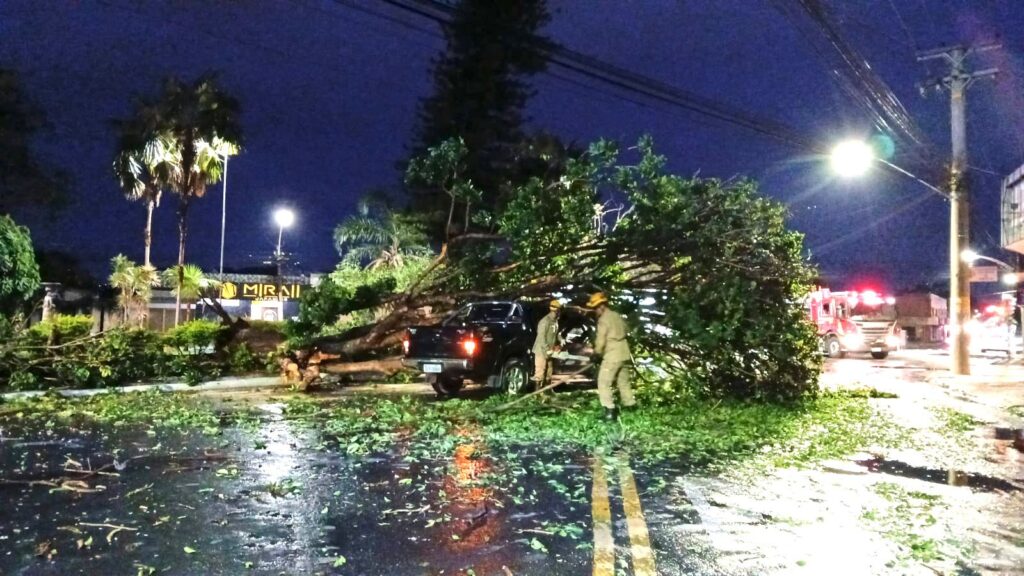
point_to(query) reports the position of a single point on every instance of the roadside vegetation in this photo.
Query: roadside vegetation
(63, 353)
(689, 433)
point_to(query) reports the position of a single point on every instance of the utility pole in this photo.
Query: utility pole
(957, 82)
(223, 215)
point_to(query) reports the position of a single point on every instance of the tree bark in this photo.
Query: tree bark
(182, 233)
(451, 214)
(385, 366)
(150, 204)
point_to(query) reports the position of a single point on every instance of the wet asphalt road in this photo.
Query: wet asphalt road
(284, 501)
(281, 498)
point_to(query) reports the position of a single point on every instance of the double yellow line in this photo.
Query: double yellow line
(604, 541)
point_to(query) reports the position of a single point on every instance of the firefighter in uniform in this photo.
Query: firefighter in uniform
(546, 344)
(613, 349)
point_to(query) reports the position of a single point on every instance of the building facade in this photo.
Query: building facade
(923, 317)
(251, 296)
(1011, 212)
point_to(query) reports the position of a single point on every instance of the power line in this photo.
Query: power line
(856, 75)
(588, 66)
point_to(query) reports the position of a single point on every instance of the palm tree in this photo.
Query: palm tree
(134, 284)
(144, 164)
(188, 133)
(380, 237)
(187, 282)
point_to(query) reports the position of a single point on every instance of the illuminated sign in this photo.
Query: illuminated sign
(984, 274)
(260, 291)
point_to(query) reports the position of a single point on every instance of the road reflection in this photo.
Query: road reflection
(476, 511)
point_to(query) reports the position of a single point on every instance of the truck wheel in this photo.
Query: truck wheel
(879, 355)
(446, 386)
(515, 377)
(833, 348)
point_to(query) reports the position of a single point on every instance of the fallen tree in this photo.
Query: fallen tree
(706, 272)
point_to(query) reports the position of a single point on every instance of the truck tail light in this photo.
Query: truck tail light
(469, 345)
(405, 345)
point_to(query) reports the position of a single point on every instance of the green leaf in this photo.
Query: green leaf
(189, 550)
(538, 545)
(339, 562)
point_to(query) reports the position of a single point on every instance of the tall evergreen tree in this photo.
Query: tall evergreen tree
(24, 181)
(480, 89)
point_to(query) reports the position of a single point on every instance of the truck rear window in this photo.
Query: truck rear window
(489, 312)
(496, 312)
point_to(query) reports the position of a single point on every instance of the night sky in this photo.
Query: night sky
(330, 91)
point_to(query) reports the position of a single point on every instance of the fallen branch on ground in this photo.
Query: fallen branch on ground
(551, 386)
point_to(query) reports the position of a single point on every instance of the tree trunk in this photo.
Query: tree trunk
(465, 228)
(385, 366)
(182, 234)
(451, 214)
(148, 239)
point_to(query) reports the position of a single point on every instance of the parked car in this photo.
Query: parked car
(485, 342)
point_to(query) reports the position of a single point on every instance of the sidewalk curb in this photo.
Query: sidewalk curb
(234, 383)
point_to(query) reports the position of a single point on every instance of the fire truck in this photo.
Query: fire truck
(859, 322)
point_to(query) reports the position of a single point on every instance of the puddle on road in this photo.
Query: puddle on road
(977, 482)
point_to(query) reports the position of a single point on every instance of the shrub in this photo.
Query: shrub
(194, 337)
(61, 329)
(242, 360)
(128, 355)
(114, 358)
(190, 343)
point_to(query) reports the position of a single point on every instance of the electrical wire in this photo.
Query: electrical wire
(593, 68)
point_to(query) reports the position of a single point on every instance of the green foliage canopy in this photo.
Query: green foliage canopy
(380, 238)
(707, 271)
(19, 273)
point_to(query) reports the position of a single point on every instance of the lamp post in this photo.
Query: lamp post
(284, 218)
(853, 158)
(223, 215)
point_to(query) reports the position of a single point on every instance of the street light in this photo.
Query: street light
(1010, 278)
(969, 256)
(853, 158)
(284, 219)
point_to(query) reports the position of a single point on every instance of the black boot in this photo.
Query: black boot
(611, 414)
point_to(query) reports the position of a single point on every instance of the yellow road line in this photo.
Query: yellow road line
(639, 539)
(604, 543)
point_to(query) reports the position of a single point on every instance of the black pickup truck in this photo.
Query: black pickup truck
(486, 342)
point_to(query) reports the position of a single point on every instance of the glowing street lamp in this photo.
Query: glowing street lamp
(852, 158)
(284, 218)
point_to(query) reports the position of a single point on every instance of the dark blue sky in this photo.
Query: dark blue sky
(330, 93)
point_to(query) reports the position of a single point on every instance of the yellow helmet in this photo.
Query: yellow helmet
(596, 299)
(555, 305)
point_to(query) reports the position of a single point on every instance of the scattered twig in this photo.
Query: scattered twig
(407, 510)
(555, 384)
(115, 528)
(137, 490)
